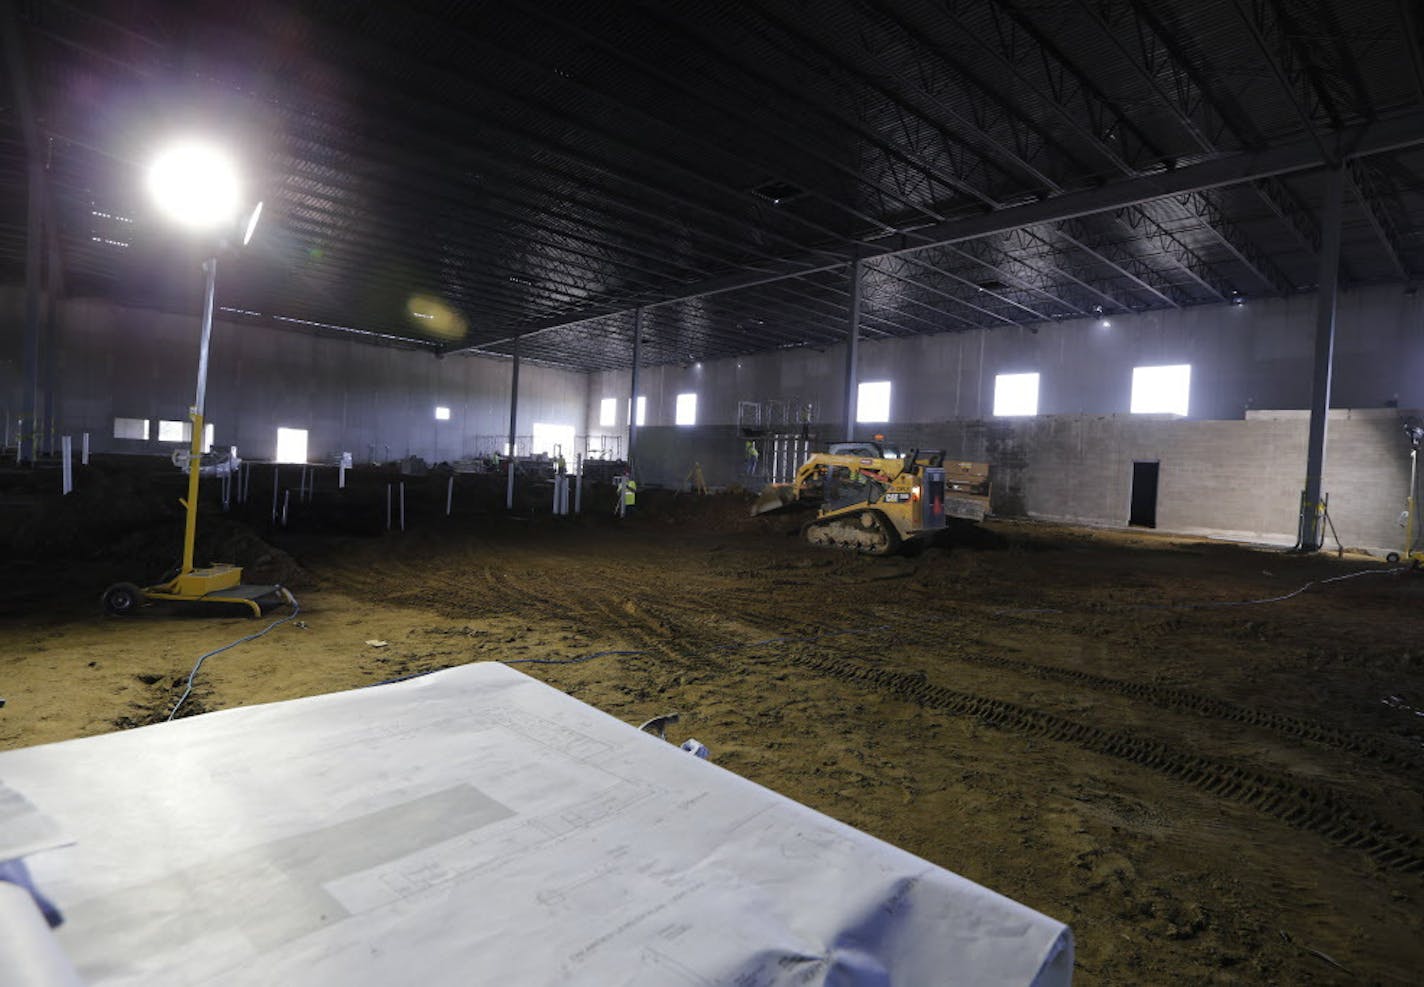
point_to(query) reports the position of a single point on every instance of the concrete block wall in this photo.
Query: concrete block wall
(350, 395)
(1238, 480)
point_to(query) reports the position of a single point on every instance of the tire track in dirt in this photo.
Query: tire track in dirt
(669, 627)
(1297, 803)
(1182, 700)
(1174, 699)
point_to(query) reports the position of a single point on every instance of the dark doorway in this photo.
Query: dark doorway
(1144, 495)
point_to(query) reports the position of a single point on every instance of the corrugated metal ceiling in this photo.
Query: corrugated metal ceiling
(457, 174)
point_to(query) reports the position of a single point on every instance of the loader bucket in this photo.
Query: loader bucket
(774, 496)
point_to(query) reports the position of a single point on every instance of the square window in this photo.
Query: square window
(873, 401)
(1161, 390)
(1015, 394)
(608, 412)
(642, 411)
(553, 439)
(291, 445)
(131, 428)
(182, 432)
(442, 413)
(687, 409)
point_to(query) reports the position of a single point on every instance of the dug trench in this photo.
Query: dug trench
(1206, 794)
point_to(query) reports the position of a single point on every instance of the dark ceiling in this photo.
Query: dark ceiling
(456, 174)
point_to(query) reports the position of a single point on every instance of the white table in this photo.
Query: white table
(478, 827)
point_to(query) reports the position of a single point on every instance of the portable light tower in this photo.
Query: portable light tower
(196, 186)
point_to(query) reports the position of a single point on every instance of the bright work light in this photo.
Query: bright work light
(252, 224)
(195, 185)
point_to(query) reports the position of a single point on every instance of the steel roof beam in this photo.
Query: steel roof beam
(1017, 42)
(681, 228)
(1159, 237)
(1272, 39)
(874, 292)
(1013, 270)
(443, 26)
(882, 270)
(611, 253)
(445, 78)
(1026, 241)
(1375, 137)
(327, 222)
(1079, 236)
(676, 83)
(1085, 109)
(1198, 112)
(803, 300)
(1364, 184)
(918, 261)
(988, 111)
(1229, 235)
(963, 158)
(1411, 21)
(1308, 91)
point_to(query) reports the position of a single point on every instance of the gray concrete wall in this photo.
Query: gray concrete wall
(350, 395)
(1256, 355)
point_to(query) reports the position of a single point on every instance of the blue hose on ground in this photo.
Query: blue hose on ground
(296, 609)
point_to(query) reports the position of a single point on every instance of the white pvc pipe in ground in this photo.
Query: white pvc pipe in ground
(67, 469)
(84, 450)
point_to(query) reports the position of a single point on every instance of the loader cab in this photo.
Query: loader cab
(865, 450)
(886, 450)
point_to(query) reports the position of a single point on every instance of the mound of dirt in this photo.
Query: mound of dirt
(719, 512)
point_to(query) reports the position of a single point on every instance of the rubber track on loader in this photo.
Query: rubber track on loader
(849, 532)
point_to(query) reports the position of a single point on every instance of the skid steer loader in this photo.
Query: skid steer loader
(871, 499)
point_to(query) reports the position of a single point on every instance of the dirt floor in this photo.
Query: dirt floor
(1206, 794)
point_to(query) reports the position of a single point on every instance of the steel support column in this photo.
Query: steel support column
(513, 419)
(852, 351)
(633, 386)
(30, 425)
(1310, 503)
(34, 235)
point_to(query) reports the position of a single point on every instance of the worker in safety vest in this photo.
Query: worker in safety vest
(753, 457)
(560, 467)
(627, 496)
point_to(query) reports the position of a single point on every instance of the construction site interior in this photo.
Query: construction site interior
(992, 425)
